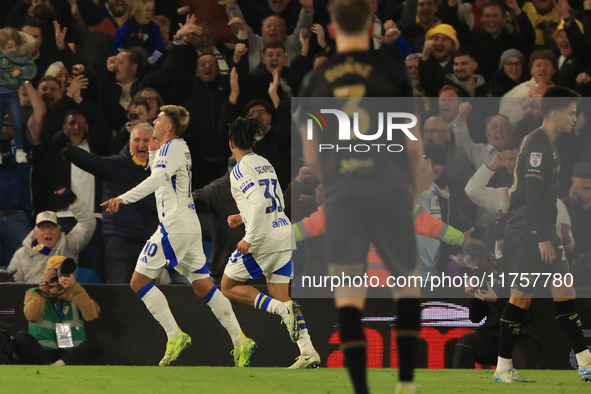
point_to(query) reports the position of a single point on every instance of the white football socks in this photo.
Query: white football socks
(305, 343)
(270, 304)
(583, 358)
(158, 306)
(504, 364)
(222, 309)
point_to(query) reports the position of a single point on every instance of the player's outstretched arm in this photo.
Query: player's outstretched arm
(112, 205)
(163, 168)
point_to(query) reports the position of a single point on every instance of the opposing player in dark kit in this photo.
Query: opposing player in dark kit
(369, 196)
(530, 244)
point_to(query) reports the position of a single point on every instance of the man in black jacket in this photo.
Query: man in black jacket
(574, 51)
(78, 120)
(255, 85)
(437, 60)
(202, 92)
(125, 232)
(118, 86)
(216, 199)
(490, 41)
(42, 58)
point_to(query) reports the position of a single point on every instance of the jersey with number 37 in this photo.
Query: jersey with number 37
(170, 181)
(260, 201)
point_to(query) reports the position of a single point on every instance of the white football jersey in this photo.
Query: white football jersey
(170, 181)
(257, 193)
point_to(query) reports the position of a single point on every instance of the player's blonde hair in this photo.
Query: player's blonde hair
(179, 117)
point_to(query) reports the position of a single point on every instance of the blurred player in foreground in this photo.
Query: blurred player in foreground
(371, 202)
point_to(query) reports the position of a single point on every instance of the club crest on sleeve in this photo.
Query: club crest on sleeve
(535, 159)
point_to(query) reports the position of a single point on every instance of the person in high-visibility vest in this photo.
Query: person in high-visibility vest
(56, 311)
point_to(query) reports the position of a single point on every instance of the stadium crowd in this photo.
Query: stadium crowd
(103, 68)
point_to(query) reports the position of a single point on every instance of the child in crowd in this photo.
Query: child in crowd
(16, 67)
(139, 30)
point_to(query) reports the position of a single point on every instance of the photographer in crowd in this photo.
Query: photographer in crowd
(482, 346)
(56, 311)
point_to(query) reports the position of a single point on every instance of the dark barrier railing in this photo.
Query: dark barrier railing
(132, 336)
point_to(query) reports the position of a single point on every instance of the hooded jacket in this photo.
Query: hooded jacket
(29, 262)
(480, 88)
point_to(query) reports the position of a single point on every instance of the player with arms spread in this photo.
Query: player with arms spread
(369, 196)
(268, 243)
(530, 243)
(177, 243)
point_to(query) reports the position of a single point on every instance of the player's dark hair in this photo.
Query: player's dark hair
(512, 144)
(351, 16)
(274, 45)
(557, 98)
(243, 131)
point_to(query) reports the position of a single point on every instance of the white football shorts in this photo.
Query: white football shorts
(277, 267)
(183, 252)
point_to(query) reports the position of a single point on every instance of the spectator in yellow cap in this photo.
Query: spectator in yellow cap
(574, 47)
(436, 62)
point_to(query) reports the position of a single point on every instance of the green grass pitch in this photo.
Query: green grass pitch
(15, 379)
